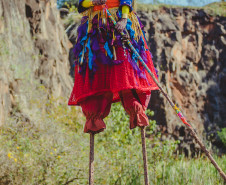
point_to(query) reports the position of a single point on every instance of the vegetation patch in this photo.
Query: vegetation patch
(217, 8)
(54, 150)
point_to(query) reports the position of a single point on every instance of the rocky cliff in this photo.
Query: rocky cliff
(188, 48)
(33, 56)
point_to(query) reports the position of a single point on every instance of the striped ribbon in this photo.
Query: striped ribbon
(178, 111)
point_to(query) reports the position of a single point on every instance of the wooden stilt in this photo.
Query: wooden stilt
(91, 160)
(144, 156)
(179, 113)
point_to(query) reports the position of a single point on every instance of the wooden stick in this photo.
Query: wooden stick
(222, 174)
(91, 160)
(179, 113)
(144, 156)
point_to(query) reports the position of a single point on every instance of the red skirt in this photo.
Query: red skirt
(112, 78)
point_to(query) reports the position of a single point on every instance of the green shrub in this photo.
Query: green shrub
(54, 150)
(222, 136)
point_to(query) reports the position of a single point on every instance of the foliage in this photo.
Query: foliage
(213, 8)
(60, 3)
(216, 8)
(72, 17)
(181, 2)
(222, 136)
(54, 150)
(71, 7)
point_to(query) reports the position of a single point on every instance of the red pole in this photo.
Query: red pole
(179, 113)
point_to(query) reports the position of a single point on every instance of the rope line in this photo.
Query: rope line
(177, 110)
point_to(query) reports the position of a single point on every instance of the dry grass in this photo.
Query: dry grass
(54, 150)
(218, 8)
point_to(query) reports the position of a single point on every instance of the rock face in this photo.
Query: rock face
(188, 48)
(33, 55)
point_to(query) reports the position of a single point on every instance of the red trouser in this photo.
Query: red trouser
(96, 108)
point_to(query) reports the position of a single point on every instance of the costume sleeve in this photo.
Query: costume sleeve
(125, 9)
(126, 2)
(81, 8)
(87, 3)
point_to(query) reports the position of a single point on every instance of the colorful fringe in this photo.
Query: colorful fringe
(97, 40)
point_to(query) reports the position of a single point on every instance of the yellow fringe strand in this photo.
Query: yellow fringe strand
(101, 15)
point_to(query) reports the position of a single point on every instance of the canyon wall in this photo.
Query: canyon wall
(188, 48)
(33, 56)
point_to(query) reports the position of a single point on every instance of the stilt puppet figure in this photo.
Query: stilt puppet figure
(107, 71)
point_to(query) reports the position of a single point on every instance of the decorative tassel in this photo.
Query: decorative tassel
(108, 51)
(103, 18)
(82, 58)
(90, 14)
(98, 15)
(114, 52)
(135, 26)
(90, 55)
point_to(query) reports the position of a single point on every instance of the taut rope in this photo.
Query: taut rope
(178, 111)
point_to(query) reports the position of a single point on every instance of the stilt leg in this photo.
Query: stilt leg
(91, 160)
(144, 156)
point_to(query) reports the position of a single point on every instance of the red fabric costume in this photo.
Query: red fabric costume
(95, 90)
